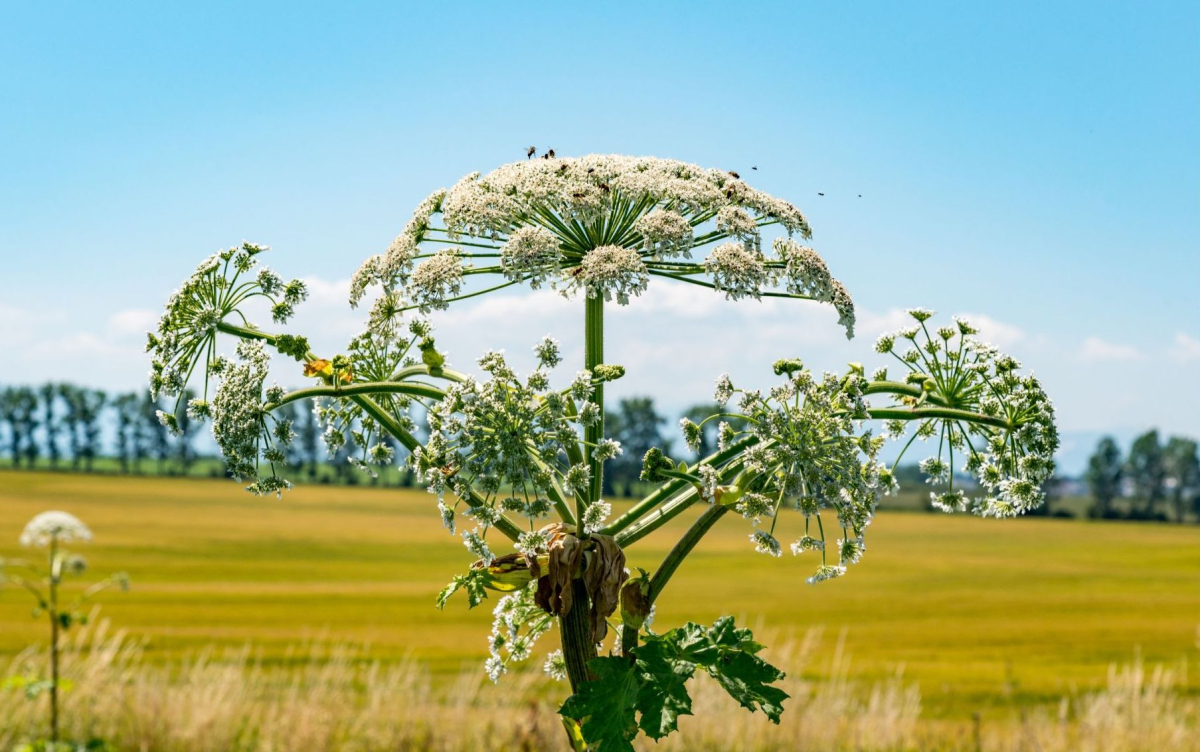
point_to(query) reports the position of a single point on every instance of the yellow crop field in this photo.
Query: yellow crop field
(984, 615)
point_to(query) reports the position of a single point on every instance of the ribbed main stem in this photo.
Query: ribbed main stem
(594, 325)
(577, 646)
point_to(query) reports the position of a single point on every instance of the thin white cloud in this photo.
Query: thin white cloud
(132, 322)
(1095, 348)
(1186, 349)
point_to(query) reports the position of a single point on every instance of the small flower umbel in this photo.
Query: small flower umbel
(989, 420)
(44, 582)
(186, 336)
(513, 446)
(803, 450)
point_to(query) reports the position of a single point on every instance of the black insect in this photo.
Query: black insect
(820, 194)
(731, 172)
(604, 187)
(548, 155)
(754, 168)
(530, 152)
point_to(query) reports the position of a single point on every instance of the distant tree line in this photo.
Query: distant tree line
(64, 426)
(1155, 481)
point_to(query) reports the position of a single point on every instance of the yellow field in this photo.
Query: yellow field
(984, 614)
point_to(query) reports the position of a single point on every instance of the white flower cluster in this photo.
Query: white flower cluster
(809, 455)
(436, 279)
(374, 355)
(394, 266)
(584, 188)
(503, 441)
(188, 327)
(517, 624)
(60, 527)
(531, 253)
(239, 419)
(665, 234)
(736, 223)
(610, 271)
(805, 273)
(738, 270)
(556, 665)
(1009, 450)
(601, 225)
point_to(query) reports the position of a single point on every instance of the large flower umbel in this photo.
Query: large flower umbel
(602, 225)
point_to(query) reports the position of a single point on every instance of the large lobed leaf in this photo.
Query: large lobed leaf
(649, 692)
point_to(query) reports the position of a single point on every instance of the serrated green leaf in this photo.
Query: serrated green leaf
(472, 582)
(663, 695)
(747, 678)
(729, 655)
(605, 707)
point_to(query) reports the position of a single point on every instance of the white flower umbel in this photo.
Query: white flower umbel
(555, 666)
(810, 454)
(436, 279)
(665, 234)
(737, 270)
(1009, 448)
(516, 626)
(532, 254)
(601, 226)
(61, 527)
(609, 272)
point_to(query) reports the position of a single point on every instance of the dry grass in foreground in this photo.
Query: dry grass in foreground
(331, 699)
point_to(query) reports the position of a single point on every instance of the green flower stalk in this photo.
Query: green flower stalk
(516, 463)
(52, 530)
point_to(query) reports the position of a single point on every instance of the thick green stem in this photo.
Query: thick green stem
(684, 547)
(921, 413)
(594, 356)
(577, 646)
(576, 629)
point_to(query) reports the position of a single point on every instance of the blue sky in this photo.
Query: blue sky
(1034, 164)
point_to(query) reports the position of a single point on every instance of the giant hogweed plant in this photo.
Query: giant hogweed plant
(516, 463)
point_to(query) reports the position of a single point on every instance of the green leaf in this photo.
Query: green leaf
(606, 705)
(651, 693)
(663, 696)
(473, 582)
(729, 655)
